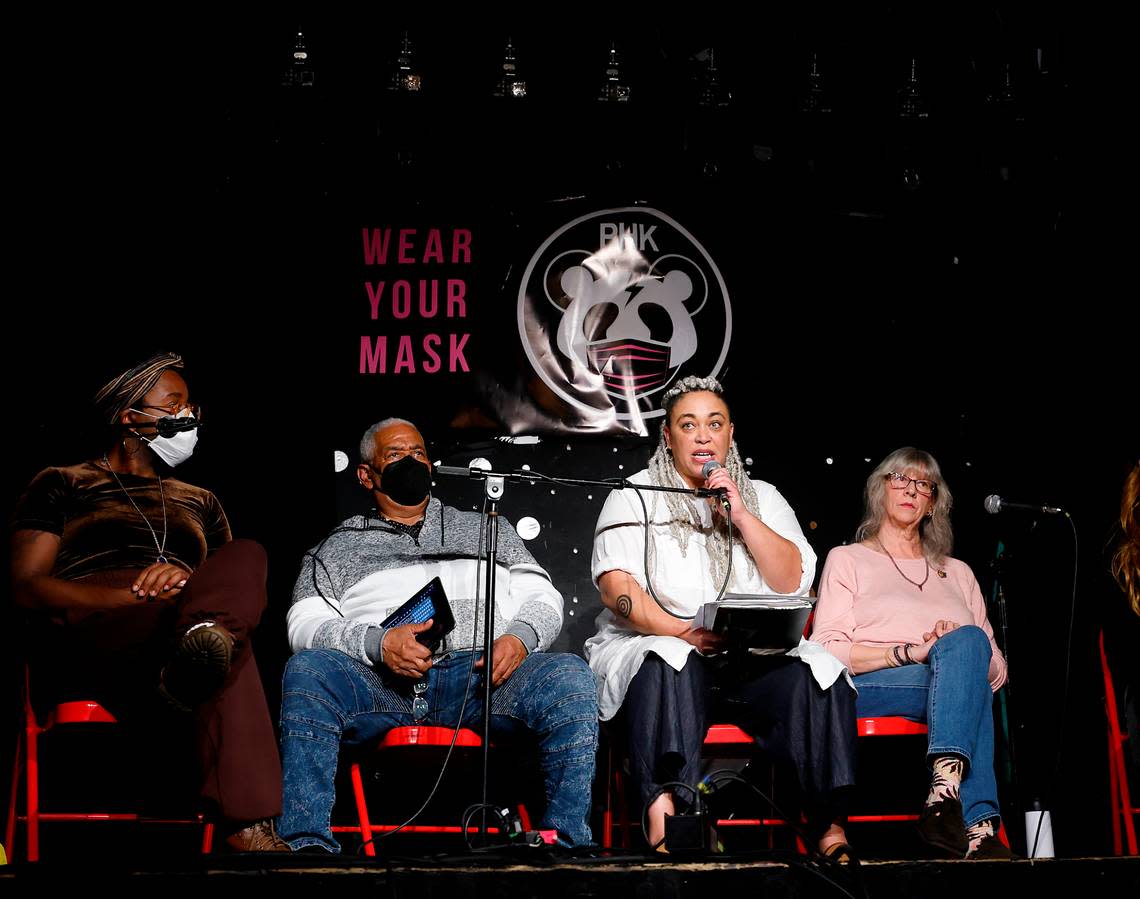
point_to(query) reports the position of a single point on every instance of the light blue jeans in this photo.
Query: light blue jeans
(952, 694)
(329, 699)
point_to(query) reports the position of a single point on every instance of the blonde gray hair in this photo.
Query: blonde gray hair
(935, 531)
(684, 513)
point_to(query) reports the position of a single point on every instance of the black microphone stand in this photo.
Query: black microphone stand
(1007, 702)
(494, 487)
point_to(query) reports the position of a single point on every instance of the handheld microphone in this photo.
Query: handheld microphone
(995, 504)
(707, 469)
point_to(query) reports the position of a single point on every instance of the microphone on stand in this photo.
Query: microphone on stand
(168, 425)
(475, 470)
(995, 504)
(706, 470)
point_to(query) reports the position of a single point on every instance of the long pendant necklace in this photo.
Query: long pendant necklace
(161, 547)
(900, 571)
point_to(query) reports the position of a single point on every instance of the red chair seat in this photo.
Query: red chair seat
(428, 735)
(889, 726)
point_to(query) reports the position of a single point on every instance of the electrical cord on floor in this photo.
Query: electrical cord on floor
(474, 809)
(648, 802)
(712, 781)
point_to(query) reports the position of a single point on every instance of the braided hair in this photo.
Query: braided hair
(684, 514)
(122, 392)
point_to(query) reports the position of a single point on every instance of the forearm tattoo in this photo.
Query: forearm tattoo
(624, 605)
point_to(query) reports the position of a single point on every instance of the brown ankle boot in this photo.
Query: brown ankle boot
(260, 836)
(199, 666)
(940, 826)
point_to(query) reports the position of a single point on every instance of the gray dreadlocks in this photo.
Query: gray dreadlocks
(684, 514)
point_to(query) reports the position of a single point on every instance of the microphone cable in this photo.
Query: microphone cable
(645, 560)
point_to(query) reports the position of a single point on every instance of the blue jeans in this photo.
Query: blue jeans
(952, 694)
(329, 699)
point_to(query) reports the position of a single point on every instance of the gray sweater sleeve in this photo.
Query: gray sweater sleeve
(539, 620)
(314, 620)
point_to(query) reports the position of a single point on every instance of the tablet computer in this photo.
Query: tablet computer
(431, 602)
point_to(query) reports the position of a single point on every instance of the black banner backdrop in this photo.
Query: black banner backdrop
(523, 339)
(613, 305)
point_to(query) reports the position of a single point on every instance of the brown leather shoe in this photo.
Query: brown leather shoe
(992, 849)
(199, 667)
(260, 836)
(941, 827)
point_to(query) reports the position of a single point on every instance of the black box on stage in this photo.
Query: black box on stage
(690, 834)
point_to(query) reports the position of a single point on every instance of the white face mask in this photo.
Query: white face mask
(176, 449)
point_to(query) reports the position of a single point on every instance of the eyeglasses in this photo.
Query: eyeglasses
(175, 409)
(419, 702)
(898, 481)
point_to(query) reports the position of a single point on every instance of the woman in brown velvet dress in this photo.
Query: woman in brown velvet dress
(137, 597)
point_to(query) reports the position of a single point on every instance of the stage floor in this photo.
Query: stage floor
(552, 875)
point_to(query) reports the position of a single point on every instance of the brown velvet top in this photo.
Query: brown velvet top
(101, 531)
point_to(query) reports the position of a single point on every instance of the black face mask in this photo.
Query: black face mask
(406, 481)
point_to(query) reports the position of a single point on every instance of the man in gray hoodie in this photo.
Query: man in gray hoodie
(351, 680)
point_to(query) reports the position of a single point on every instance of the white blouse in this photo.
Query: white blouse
(682, 582)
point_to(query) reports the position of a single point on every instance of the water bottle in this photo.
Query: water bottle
(1038, 831)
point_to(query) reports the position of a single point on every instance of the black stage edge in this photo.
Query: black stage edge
(550, 876)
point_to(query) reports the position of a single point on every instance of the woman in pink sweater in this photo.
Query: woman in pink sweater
(910, 622)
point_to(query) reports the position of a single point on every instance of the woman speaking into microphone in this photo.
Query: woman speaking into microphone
(654, 677)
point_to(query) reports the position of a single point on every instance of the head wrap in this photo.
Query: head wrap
(119, 394)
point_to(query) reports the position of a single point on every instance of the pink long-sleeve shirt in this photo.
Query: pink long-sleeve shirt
(863, 599)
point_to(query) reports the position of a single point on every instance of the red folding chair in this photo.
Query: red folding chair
(27, 762)
(721, 736)
(401, 738)
(723, 740)
(1123, 811)
(887, 726)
